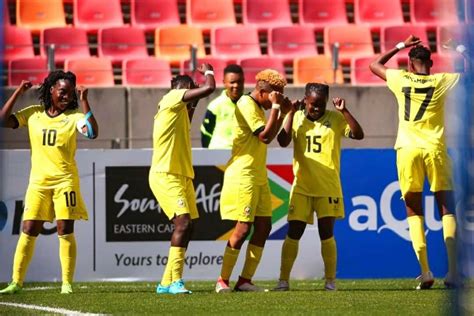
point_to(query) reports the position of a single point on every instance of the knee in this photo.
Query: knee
(183, 226)
(241, 233)
(32, 228)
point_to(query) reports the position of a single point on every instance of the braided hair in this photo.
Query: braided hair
(182, 81)
(420, 52)
(318, 88)
(52, 78)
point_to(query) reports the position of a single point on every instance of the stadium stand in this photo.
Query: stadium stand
(93, 14)
(315, 69)
(208, 14)
(288, 42)
(150, 72)
(217, 63)
(31, 69)
(361, 74)
(378, 13)
(354, 41)
(235, 42)
(69, 42)
(322, 13)
(151, 14)
(433, 12)
(91, 72)
(265, 14)
(174, 43)
(252, 66)
(119, 43)
(392, 35)
(447, 63)
(37, 15)
(18, 43)
(6, 14)
(446, 32)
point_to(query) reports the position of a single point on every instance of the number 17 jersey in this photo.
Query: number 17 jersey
(421, 100)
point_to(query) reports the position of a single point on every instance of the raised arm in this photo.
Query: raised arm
(284, 137)
(461, 49)
(356, 129)
(378, 65)
(91, 123)
(6, 118)
(280, 108)
(206, 89)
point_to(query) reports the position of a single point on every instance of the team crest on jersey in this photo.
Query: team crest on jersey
(181, 202)
(65, 120)
(247, 210)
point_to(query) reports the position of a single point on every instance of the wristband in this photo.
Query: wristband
(209, 72)
(276, 106)
(90, 130)
(87, 115)
(400, 46)
(460, 48)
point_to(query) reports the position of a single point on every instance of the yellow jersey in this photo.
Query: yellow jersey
(421, 101)
(53, 145)
(316, 153)
(249, 154)
(171, 136)
(223, 108)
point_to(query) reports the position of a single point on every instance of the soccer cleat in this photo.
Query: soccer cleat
(450, 281)
(66, 288)
(426, 281)
(161, 289)
(177, 287)
(330, 285)
(12, 288)
(244, 285)
(282, 286)
(222, 286)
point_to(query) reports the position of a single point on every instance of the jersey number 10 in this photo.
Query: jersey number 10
(49, 137)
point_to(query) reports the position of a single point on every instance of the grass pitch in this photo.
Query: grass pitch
(355, 297)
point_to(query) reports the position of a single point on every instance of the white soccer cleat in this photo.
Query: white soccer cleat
(330, 285)
(282, 286)
(426, 281)
(222, 286)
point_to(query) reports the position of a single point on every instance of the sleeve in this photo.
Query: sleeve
(343, 128)
(296, 123)
(23, 115)
(450, 80)
(393, 79)
(173, 100)
(251, 116)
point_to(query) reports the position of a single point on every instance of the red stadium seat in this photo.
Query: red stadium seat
(119, 43)
(447, 32)
(6, 13)
(91, 72)
(38, 15)
(18, 43)
(391, 35)
(208, 14)
(289, 42)
(174, 43)
(266, 13)
(315, 69)
(94, 14)
(146, 72)
(252, 66)
(378, 13)
(447, 63)
(433, 12)
(69, 42)
(217, 63)
(235, 42)
(354, 41)
(150, 14)
(322, 13)
(361, 74)
(32, 69)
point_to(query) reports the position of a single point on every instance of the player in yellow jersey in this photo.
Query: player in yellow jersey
(53, 191)
(245, 196)
(171, 173)
(316, 134)
(421, 146)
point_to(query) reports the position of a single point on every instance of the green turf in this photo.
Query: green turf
(355, 297)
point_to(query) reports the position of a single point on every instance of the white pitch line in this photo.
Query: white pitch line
(48, 309)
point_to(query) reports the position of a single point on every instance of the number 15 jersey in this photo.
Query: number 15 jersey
(421, 101)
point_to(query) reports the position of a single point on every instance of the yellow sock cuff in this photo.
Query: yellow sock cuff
(252, 259)
(231, 251)
(254, 252)
(449, 226)
(328, 241)
(177, 251)
(291, 241)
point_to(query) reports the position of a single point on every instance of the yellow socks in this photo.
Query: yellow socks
(67, 256)
(228, 262)
(176, 263)
(418, 239)
(329, 254)
(289, 251)
(252, 259)
(167, 277)
(23, 254)
(449, 233)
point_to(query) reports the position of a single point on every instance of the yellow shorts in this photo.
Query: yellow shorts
(302, 207)
(63, 203)
(414, 163)
(175, 194)
(242, 202)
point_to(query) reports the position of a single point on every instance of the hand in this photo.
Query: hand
(412, 41)
(82, 91)
(203, 67)
(24, 86)
(339, 104)
(286, 106)
(297, 105)
(276, 97)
